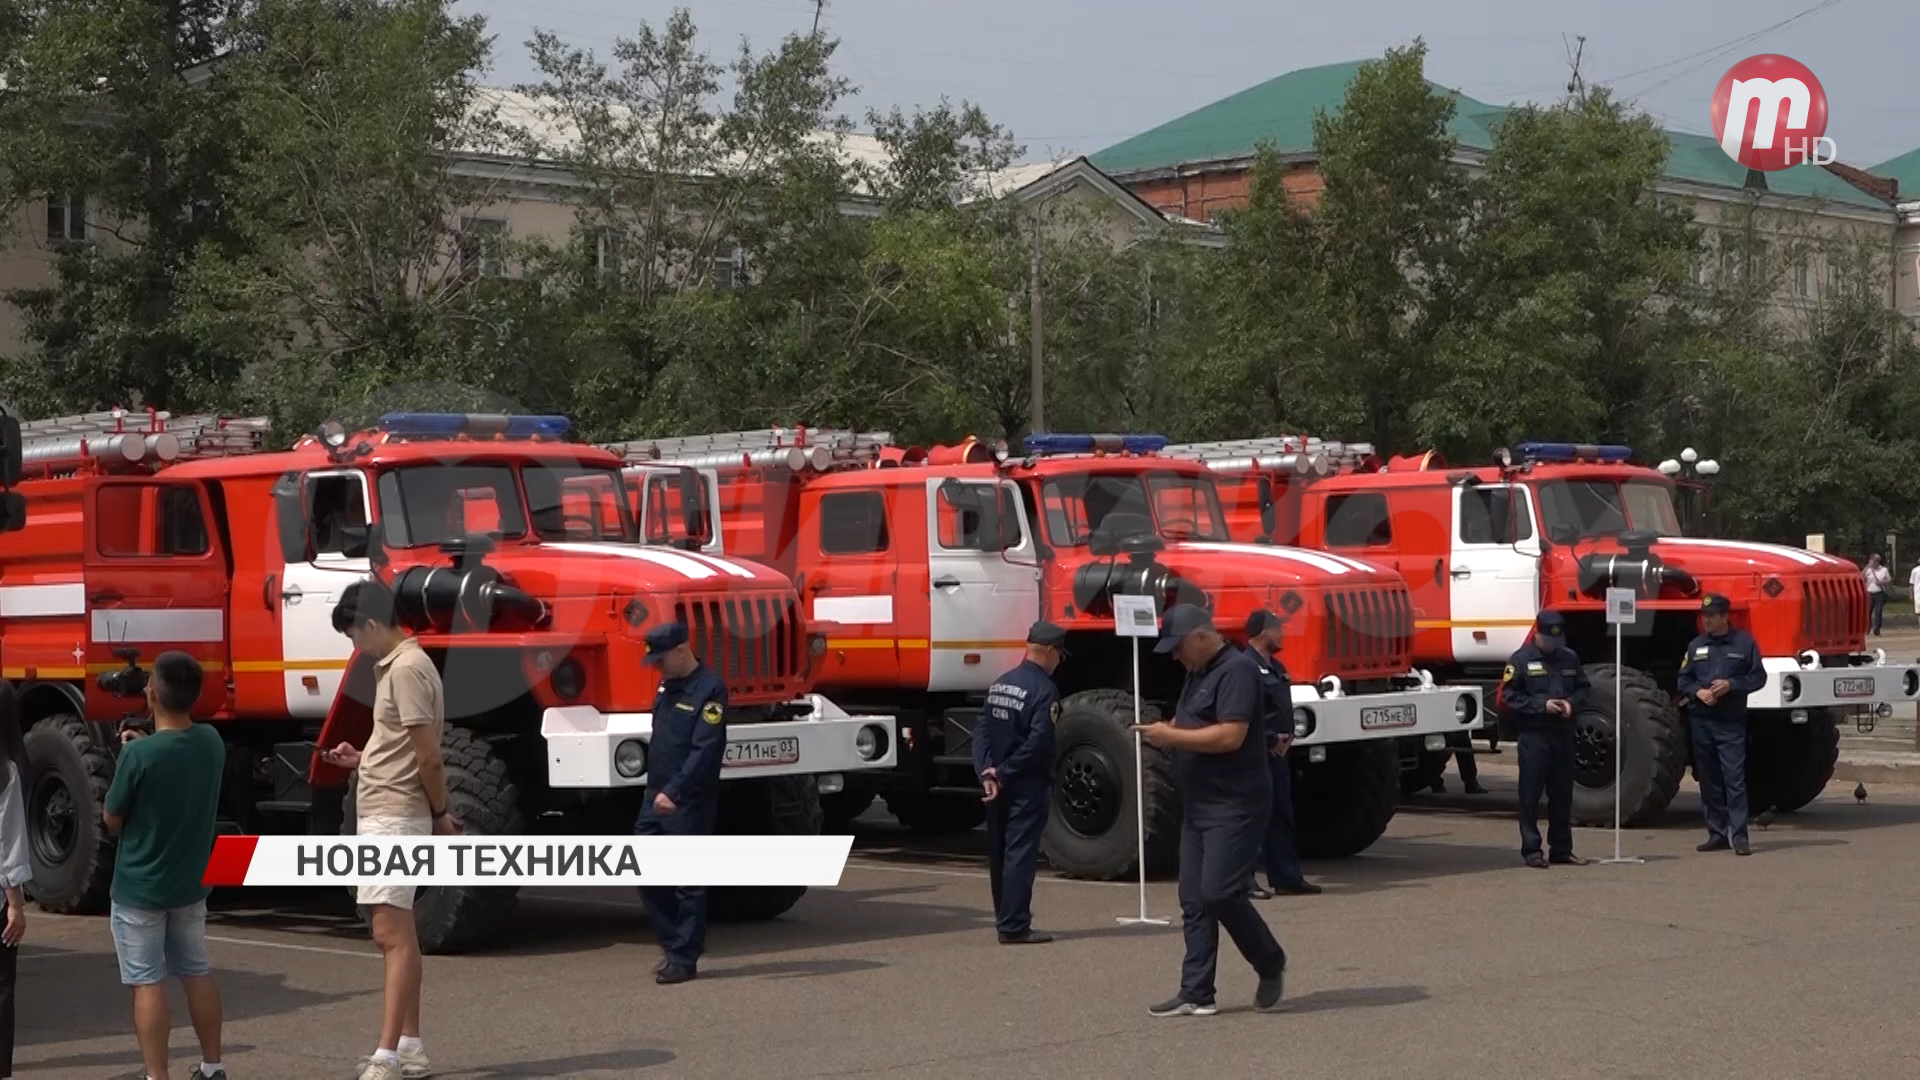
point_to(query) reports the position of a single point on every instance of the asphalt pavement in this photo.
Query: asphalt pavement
(1434, 953)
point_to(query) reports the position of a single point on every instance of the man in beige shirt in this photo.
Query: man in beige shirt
(401, 791)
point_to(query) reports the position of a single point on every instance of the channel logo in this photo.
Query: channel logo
(1770, 113)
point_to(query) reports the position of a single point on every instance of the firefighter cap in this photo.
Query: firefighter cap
(1262, 621)
(1181, 620)
(662, 640)
(1049, 635)
(1551, 623)
(1715, 604)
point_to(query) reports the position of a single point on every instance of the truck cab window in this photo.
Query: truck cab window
(133, 520)
(853, 523)
(335, 504)
(578, 503)
(423, 505)
(1476, 517)
(1358, 521)
(962, 527)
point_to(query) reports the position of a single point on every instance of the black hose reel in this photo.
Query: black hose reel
(1097, 583)
(467, 597)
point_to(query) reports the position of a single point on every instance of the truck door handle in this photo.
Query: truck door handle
(1462, 572)
(105, 598)
(291, 594)
(947, 583)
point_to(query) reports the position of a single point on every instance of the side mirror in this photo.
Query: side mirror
(1564, 534)
(354, 540)
(693, 508)
(13, 511)
(290, 520)
(1269, 513)
(10, 450)
(1500, 512)
(376, 547)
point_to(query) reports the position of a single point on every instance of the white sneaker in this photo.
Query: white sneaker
(413, 1066)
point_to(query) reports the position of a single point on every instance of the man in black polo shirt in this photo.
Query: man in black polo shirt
(1226, 795)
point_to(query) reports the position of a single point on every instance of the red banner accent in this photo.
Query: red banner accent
(229, 861)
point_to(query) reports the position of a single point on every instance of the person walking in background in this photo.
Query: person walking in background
(401, 790)
(16, 866)
(1879, 578)
(1913, 587)
(161, 805)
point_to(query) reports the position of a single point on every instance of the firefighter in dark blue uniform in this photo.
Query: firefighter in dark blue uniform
(1543, 689)
(1219, 743)
(684, 757)
(1013, 756)
(1721, 668)
(1264, 630)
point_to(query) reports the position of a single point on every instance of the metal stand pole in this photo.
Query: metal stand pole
(1140, 802)
(1619, 745)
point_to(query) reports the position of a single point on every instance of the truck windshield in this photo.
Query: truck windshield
(1608, 507)
(578, 502)
(422, 505)
(1178, 507)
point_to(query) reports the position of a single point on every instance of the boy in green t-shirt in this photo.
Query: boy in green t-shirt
(166, 789)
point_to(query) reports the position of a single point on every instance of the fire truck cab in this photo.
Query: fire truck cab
(1484, 548)
(516, 562)
(927, 568)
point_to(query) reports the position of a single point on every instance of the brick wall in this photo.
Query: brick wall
(1202, 194)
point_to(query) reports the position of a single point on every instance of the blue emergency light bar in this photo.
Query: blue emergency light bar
(1087, 444)
(1557, 452)
(446, 425)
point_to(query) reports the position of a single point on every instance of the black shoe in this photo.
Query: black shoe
(673, 973)
(1538, 862)
(1267, 994)
(1298, 888)
(1439, 787)
(1030, 937)
(1256, 892)
(1476, 788)
(1716, 843)
(1568, 859)
(1740, 847)
(1179, 1006)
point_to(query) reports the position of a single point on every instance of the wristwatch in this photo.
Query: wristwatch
(437, 814)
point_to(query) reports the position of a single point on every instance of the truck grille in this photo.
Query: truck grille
(1833, 612)
(748, 641)
(1369, 627)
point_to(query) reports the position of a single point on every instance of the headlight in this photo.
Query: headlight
(1302, 723)
(817, 644)
(870, 742)
(1789, 688)
(569, 680)
(1797, 716)
(630, 758)
(1465, 709)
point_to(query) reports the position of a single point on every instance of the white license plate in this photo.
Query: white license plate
(1854, 687)
(1388, 716)
(757, 753)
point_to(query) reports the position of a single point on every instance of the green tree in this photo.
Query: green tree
(117, 107)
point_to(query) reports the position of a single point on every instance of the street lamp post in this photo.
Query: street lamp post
(1690, 469)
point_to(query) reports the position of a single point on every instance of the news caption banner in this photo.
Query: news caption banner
(814, 861)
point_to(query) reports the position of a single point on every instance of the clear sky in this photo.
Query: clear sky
(1081, 75)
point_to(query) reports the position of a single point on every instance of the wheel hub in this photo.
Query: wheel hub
(1088, 788)
(55, 821)
(1593, 746)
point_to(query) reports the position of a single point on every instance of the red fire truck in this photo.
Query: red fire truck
(1483, 548)
(516, 561)
(929, 566)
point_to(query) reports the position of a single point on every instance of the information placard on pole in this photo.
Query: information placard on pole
(1622, 611)
(1134, 617)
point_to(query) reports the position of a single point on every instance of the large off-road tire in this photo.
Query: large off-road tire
(776, 806)
(1789, 764)
(1091, 819)
(1343, 804)
(937, 815)
(842, 807)
(69, 772)
(481, 793)
(1655, 750)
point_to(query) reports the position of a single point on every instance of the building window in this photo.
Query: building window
(1757, 266)
(1729, 265)
(729, 270)
(66, 218)
(1802, 280)
(480, 240)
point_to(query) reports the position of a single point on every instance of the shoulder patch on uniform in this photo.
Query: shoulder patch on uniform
(712, 713)
(1054, 713)
(1507, 675)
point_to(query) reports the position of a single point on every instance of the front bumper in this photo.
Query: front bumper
(587, 748)
(1802, 682)
(1325, 714)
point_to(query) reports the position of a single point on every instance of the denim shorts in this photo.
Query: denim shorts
(154, 944)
